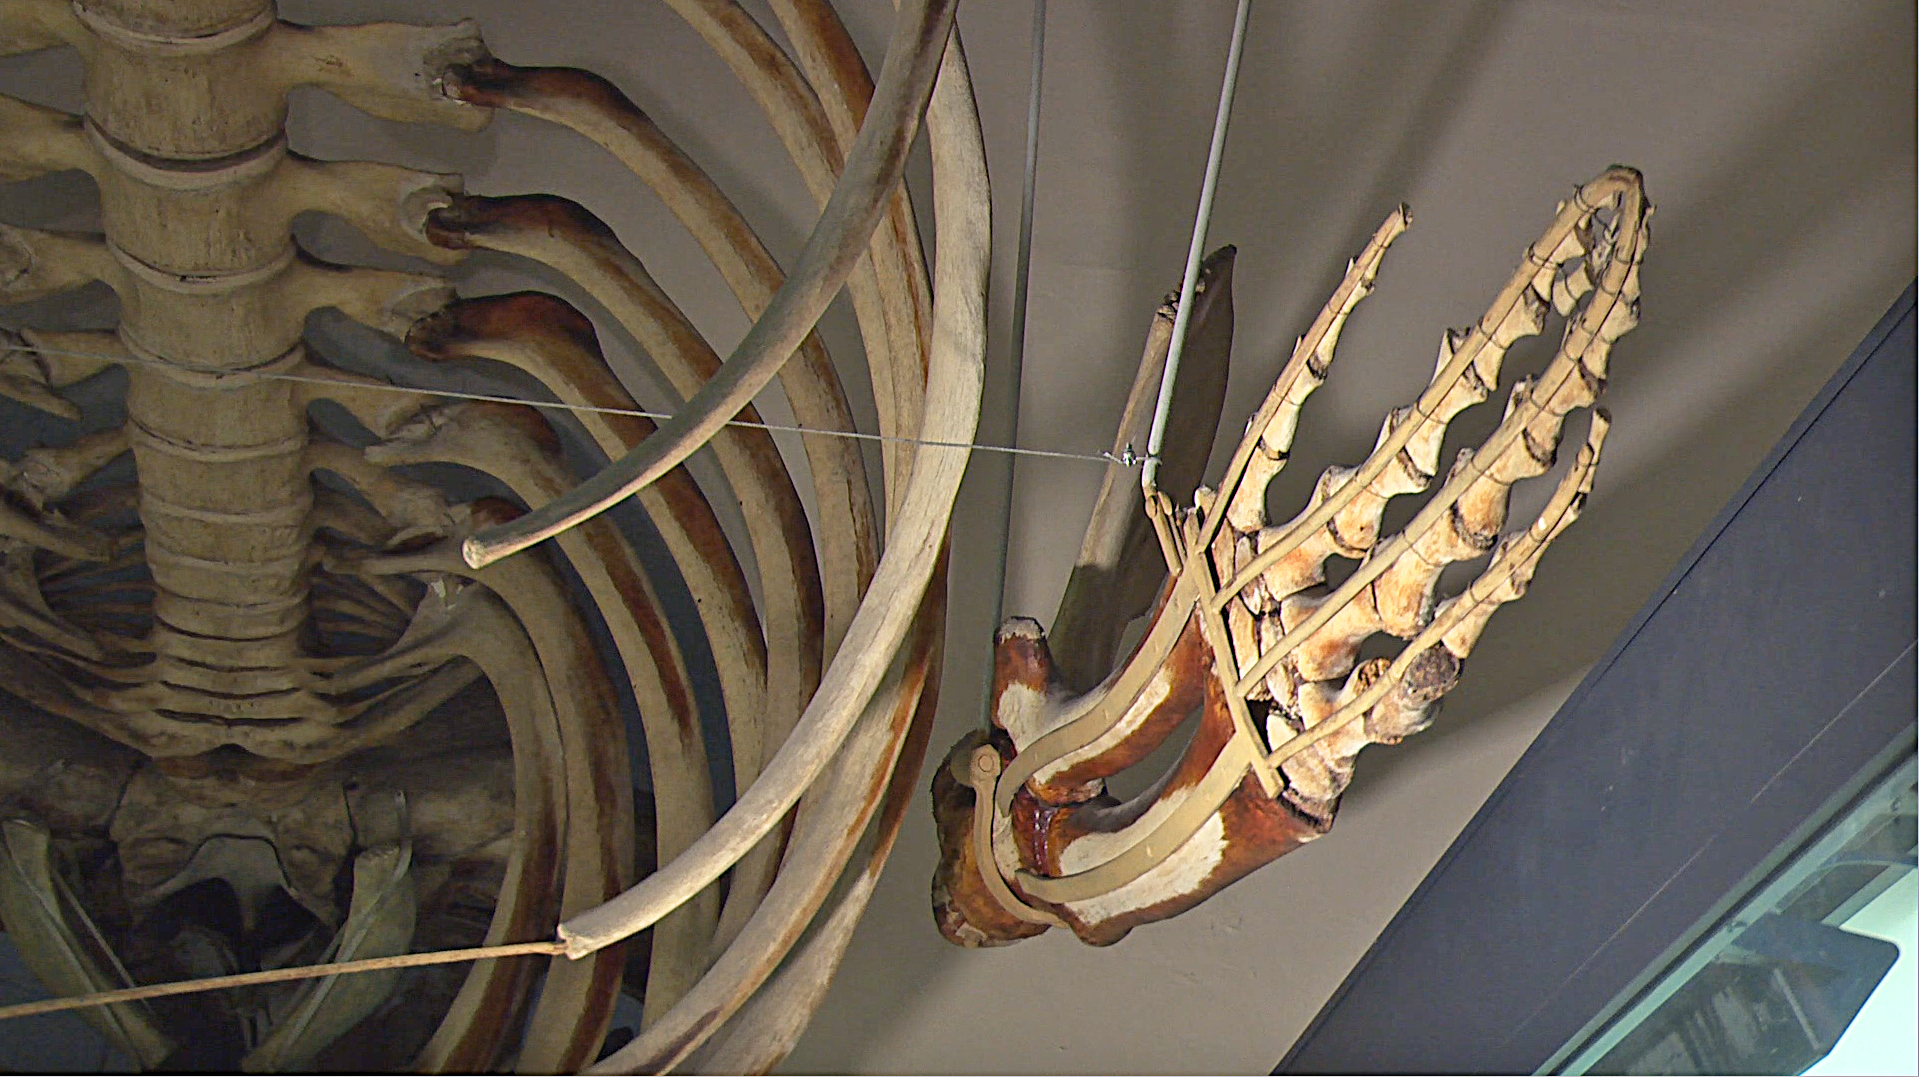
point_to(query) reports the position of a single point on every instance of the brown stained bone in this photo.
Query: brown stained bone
(825, 52)
(1245, 621)
(564, 236)
(478, 627)
(1253, 830)
(848, 794)
(964, 909)
(846, 227)
(891, 298)
(764, 1031)
(1049, 818)
(251, 597)
(594, 107)
(549, 339)
(1175, 691)
(952, 391)
(576, 1005)
(953, 388)
(514, 444)
(552, 341)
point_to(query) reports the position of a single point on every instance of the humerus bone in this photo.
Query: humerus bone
(1245, 632)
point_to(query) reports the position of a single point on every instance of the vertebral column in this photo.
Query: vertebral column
(182, 102)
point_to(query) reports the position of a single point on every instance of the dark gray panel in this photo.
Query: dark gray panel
(1772, 667)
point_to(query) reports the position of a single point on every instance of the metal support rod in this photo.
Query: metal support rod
(1150, 472)
(1016, 354)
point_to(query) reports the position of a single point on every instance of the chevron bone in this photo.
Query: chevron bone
(270, 634)
(1248, 631)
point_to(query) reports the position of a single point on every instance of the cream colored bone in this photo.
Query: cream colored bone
(1277, 639)
(256, 529)
(845, 228)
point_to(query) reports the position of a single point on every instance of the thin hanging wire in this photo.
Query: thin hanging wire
(1150, 473)
(557, 405)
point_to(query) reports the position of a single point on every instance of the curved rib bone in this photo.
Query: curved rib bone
(472, 624)
(888, 286)
(48, 532)
(564, 236)
(764, 1030)
(503, 441)
(576, 1004)
(262, 595)
(837, 241)
(222, 308)
(26, 619)
(847, 544)
(847, 795)
(953, 388)
(45, 476)
(62, 945)
(548, 339)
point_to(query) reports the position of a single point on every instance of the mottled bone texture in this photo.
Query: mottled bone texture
(268, 716)
(1248, 633)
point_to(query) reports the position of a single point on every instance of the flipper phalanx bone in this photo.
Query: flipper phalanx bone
(1246, 631)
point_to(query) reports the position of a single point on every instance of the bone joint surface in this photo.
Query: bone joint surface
(263, 713)
(1245, 626)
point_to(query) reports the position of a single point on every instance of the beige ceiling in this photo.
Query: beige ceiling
(1777, 140)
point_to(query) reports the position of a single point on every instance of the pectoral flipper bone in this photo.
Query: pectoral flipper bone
(1289, 705)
